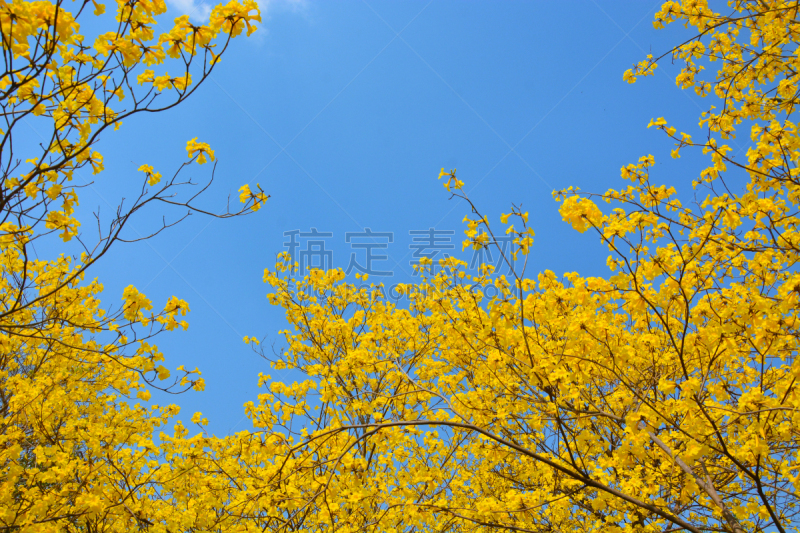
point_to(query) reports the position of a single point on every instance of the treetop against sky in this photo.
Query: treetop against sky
(330, 101)
(419, 362)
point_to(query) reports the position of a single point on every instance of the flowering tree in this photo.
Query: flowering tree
(76, 452)
(663, 397)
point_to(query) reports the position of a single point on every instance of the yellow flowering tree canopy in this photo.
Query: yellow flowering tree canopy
(80, 449)
(661, 398)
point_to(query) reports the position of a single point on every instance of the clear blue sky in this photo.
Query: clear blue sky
(345, 111)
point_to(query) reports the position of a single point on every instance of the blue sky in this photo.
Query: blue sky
(344, 112)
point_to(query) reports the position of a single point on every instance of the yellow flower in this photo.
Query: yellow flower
(163, 372)
(182, 83)
(661, 121)
(152, 177)
(96, 160)
(145, 77)
(203, 149)
(54, 191)
(244, 193)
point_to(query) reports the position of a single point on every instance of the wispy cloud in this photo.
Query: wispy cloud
(268, 6)
(199, 10)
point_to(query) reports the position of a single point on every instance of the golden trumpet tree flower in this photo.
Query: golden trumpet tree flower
(663, 397)
(80, 449)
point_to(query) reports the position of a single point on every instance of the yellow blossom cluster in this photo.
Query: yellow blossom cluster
(661, 397)
(82, 447)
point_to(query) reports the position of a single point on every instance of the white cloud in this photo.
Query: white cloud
(197, 11)
(270, 6)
